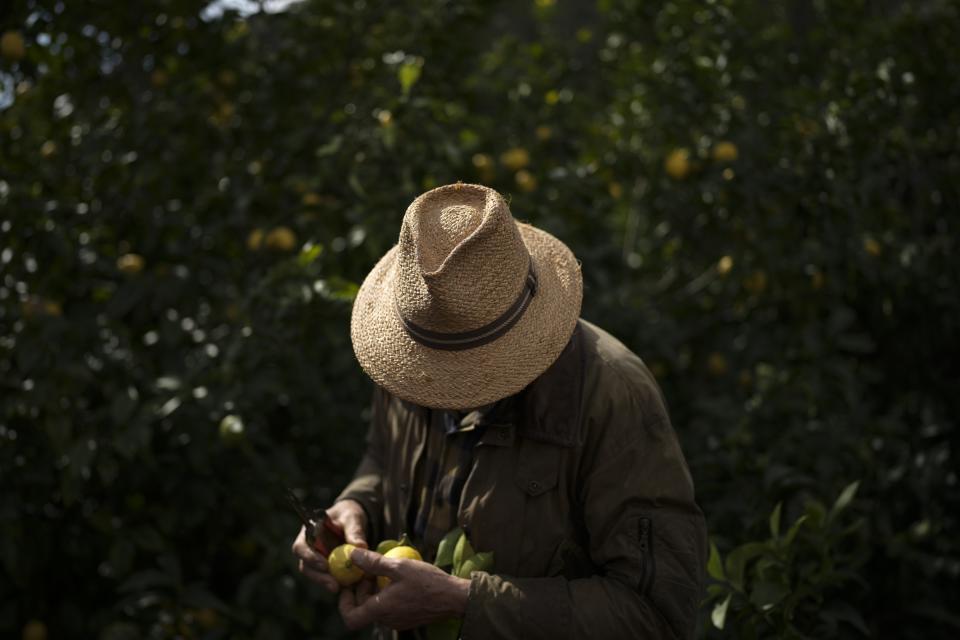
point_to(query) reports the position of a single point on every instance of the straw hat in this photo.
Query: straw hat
(469, 307)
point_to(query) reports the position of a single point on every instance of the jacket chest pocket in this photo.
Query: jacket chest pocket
(543, 522)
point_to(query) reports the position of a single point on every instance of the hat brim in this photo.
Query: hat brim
(472, 377)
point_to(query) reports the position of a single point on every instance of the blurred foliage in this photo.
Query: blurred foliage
(763, 195)
(778, 587)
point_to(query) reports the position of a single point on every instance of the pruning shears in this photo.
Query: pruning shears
(323, 534)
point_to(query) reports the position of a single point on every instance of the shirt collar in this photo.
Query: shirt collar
(499, 413)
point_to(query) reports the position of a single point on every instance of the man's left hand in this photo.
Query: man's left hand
(419, 593)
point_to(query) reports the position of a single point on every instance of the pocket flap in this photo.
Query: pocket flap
(539, 468)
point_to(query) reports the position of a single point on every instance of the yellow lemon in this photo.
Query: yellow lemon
(404, 552)
(37, 306)
(52, 308)
(341, 566)
(515, 159)
(255, 240)
(724, 265)
(311, 199)
(817, 279)
(725, 152)
(677, 164)
(756, 282)
(484, 166)
(12, 45)
(130, 263)
(526, 180)
(281, 239)
(717, 364)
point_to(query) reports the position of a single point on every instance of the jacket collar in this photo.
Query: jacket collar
(551, 403)
(548, 409)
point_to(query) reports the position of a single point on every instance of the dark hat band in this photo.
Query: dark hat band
(477, 337)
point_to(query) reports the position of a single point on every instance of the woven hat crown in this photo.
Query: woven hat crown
(461, 261)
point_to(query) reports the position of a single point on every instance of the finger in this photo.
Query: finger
(375, 564)
(313, 566)
(354, 533)
(324, 579)
(303, 551)
(316, 565)
(364, 590)
(354, 615)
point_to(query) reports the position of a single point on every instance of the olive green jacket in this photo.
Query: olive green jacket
(584, 497)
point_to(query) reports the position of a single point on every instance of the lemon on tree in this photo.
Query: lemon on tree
(515, 159)
(342, 567)
(12, 45)
(725, 151)
(130, 263)
(525, 180)
(677, 164)
(280, 239)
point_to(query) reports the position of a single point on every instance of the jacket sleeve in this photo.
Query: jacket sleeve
(367, 484)
(647, 538)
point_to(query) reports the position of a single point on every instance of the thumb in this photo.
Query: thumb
(374, 563)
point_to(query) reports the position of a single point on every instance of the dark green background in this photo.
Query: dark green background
(821, 351)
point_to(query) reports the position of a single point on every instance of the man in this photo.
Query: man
(498, 410)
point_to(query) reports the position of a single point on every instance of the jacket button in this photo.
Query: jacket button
(533, 486)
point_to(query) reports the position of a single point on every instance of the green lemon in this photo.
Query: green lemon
(386, 545)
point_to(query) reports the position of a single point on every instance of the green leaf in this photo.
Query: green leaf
(445, 548)
(738, 559)
(765, 594)
(715, 563)
(843, 612)
(448, 629)
(408, 74)
(716, 590)
(719, 614)
(309, 254)
(144, 580)
(775, 521)
(794, 530)
(461, 553)
(330, 147)
(846, 497)
(482, 561)
(816, 513)
(354, 181)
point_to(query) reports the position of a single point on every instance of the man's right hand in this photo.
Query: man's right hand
(349, 515)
